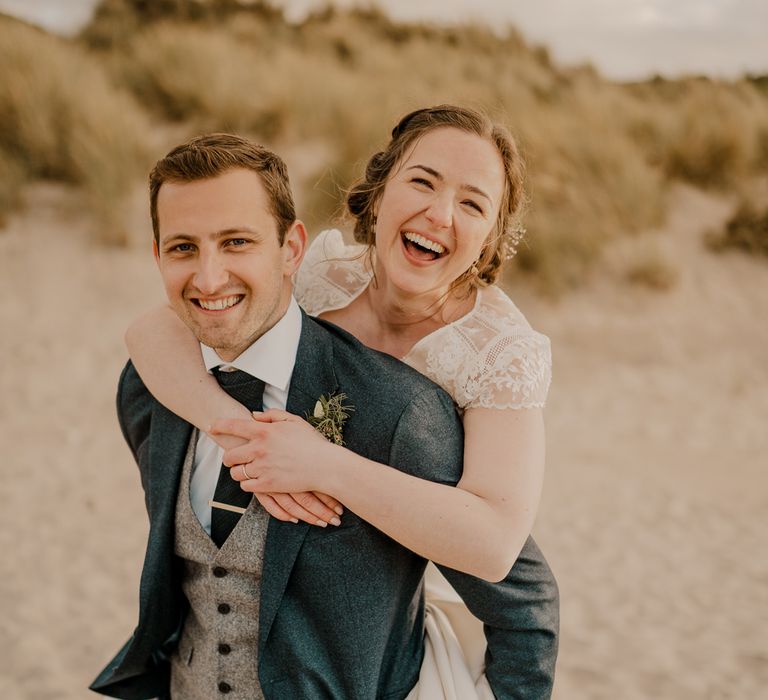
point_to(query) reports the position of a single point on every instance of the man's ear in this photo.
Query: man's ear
(156, 251)
(294, 246)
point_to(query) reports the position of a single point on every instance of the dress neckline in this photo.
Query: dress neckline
(355, 294)
(445, 327)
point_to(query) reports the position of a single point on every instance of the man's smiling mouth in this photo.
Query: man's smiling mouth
(219, 304)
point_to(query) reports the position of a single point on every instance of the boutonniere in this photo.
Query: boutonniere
(329, 416)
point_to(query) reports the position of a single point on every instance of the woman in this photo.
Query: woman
(436, 215)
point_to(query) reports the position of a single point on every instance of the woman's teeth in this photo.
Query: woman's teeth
(218, 304)
(419, 240)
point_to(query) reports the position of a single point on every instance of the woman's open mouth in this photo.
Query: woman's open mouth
(422, 248)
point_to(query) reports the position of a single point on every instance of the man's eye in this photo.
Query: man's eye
(236, 242)
(182, 248)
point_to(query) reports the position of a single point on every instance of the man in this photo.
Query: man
(248, 606)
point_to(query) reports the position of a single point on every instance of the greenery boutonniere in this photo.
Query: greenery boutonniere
(329, 416)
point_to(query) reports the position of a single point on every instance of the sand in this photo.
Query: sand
(655, 509)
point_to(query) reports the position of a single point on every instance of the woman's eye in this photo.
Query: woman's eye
(473, 205)
(422, 181)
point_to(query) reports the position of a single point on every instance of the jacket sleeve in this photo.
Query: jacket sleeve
(134, 413)
(520, 614)
(521, 620)
(429, 440)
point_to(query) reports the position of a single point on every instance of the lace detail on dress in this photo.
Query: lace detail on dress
(489, 358)
(331, 275)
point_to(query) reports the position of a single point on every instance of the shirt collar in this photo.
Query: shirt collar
(272, 356)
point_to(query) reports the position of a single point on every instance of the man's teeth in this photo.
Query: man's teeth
(419, 240)
(218, 304)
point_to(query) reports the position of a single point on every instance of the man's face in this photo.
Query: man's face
(224, 271)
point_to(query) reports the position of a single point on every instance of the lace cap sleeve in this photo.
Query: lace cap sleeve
(331, 274)
(514, 371)
(491, 358)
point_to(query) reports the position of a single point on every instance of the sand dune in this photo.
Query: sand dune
(655, 509)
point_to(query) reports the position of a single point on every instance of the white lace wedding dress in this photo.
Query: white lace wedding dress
(489, 358)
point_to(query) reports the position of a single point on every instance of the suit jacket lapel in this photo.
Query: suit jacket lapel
(166, 459)
(313, 375)
(167, 447)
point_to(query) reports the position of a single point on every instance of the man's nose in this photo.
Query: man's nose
(440, 211)
(211, 275)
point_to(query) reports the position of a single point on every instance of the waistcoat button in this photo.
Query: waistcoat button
(219, 572)
(224, 687)
(223, 608)
(224, 648)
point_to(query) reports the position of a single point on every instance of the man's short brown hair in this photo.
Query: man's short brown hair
(214, 154)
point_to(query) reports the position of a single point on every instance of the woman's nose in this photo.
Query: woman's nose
(440, 212)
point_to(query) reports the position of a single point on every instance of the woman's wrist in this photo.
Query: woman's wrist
(334, 469)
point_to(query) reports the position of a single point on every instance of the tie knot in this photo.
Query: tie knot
(243, 387)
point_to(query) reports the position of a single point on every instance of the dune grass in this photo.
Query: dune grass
(600, 155)
(708, 133)
(651, 269)
(746, 230)
(13, 177)
(61, 118)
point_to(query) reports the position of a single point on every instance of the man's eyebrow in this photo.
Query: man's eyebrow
(232, 230)
(176, 238)
(235, 230)
(438, 176)
(182, 237)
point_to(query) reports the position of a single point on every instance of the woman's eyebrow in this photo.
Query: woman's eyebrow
(438, 176)
(477, 190)
(427, 169)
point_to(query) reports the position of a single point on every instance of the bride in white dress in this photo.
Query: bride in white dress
(435, 217)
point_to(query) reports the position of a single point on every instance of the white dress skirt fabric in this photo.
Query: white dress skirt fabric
(454, 647)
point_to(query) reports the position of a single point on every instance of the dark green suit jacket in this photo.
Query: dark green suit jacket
(342, 608)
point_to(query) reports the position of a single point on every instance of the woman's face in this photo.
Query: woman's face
(438, 207)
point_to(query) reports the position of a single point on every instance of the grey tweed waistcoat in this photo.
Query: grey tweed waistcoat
(217, 655)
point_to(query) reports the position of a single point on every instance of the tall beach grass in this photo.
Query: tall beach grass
(62, 119)
(600, 155)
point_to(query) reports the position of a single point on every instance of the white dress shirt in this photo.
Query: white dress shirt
(270, 358)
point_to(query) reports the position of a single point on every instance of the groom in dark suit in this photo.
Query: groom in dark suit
(244, 606)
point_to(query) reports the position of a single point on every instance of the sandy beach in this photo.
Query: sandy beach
(655, 510)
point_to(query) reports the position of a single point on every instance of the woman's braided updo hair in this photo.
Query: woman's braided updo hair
(506, 234)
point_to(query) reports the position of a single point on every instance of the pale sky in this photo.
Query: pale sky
(624, 39)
